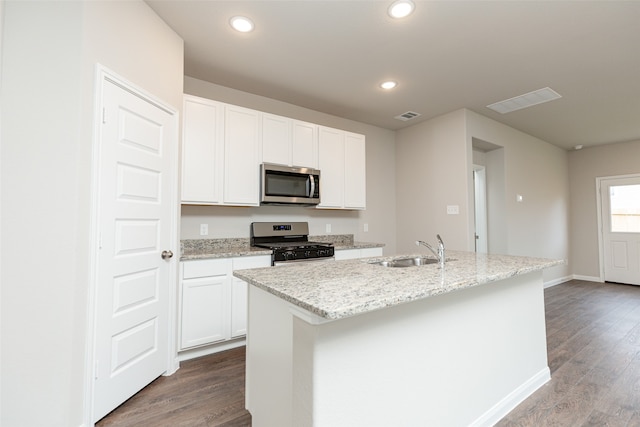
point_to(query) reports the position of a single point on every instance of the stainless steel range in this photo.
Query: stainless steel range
(289, 242)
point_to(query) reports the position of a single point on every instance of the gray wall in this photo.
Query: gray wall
(539, 225)
(584, 167)
(434, 169)
(50, 50)
(431, 174)
(226, 221)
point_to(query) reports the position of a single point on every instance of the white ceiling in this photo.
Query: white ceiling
(331, 55)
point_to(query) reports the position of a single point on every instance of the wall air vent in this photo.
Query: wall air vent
(523, 101)
(407, 116)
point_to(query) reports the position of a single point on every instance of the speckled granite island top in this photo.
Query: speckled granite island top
(334, 290)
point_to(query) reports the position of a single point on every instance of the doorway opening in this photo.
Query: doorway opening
(489, 201)
(480, 208)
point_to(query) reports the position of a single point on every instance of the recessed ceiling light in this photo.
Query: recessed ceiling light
(388, 84)
(242, 24)
(401, 8)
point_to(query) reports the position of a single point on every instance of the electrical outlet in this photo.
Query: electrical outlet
(328, 228)
(366, 228)
(453, 210)
(204, 229)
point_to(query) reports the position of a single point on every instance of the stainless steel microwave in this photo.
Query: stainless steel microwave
(286, 185)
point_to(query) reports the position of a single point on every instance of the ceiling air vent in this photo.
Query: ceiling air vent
(523, 101)
(407, 116)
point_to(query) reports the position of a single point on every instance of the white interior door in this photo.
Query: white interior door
(136, 209)
(620, 202)
(480, 208)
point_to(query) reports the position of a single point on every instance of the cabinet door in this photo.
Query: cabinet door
(304, 144)
(202, 160)
(343, 254)
(331, 165)
(355, 179)
(276, 139)
(239, 293)
(204, 311)
(241, 153)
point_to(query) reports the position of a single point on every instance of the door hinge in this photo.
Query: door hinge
(104, 115)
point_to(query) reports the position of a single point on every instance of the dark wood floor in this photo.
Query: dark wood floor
(593, 336)
(204, 392)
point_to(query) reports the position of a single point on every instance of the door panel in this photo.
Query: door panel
(620, 202)
(135, 222)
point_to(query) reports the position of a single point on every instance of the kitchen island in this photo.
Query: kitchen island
(354, 343)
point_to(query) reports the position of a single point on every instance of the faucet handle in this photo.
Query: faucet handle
(440, 240)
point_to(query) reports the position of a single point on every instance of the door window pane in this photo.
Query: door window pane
(625, 208)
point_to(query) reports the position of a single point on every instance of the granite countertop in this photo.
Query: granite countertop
(334, 290)
(237, 247)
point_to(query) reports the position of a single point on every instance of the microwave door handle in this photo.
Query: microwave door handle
(313, 186)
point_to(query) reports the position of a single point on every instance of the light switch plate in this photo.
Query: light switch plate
(204, 229)
(453, 210)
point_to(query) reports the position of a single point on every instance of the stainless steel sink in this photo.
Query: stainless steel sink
(407, 262)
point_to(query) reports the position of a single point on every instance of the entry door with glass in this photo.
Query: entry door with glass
(620, 198)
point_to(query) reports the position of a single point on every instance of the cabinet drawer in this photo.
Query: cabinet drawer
(206, 267)
(370, 252)
(251, 262)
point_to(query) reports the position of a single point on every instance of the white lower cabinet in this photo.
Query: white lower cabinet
(213, 303)
(239, 292)
(204, 320)
(343, 254)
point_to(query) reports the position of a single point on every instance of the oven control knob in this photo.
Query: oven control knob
(307, 254)
(289, 255)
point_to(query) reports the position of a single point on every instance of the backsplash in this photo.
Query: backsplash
(198, 245)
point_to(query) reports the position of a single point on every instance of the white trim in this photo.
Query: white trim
(555, 282)
(513, 399)
(102, 75)
(599, 229)
(588, 278)
(211, 349)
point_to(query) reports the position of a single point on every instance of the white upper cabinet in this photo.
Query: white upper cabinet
(342, 163)
(276, 139)
(355, 174)
(241, 156)
(304, 144)
(223, 146)
(289, 142)
(331, 164)
(202, 150)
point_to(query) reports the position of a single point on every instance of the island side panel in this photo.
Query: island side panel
(463, 358)
(268, 394)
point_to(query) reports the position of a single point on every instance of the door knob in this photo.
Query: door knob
(167, 254)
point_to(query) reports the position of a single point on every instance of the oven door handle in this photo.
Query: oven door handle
(312, 188)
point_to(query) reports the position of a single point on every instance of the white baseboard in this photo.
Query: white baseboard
(513, 399)
(210, 349)
(587, 278)
(555, 282)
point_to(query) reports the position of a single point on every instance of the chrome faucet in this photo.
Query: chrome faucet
(439, 253)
